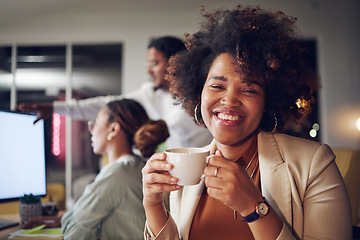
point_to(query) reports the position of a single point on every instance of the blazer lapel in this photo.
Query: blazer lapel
(191, 197)
(189, 201)
(275, 184)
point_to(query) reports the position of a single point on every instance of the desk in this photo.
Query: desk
(4, 234)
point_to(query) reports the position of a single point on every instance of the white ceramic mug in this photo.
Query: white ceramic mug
(189, 164)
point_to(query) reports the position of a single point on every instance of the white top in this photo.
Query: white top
(159, 104)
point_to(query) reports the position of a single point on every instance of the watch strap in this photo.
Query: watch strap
(254, 215)
(251, 217)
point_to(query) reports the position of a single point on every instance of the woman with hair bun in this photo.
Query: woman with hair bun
(113, 202)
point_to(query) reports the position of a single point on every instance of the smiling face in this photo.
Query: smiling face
(156, 67)
(231, 108)
(99, 131)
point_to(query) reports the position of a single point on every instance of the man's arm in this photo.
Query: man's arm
(85, 109)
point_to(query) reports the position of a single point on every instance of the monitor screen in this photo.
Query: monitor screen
(22, 156)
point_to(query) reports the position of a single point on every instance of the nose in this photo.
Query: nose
(148, 69)
(230, 101)
(90, 125)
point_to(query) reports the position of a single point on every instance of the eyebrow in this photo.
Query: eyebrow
(221, 78)
(224, 79)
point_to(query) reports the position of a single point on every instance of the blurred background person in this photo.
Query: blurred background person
(111, 207)
(154, 96)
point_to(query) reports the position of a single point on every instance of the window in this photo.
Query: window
(40, 76)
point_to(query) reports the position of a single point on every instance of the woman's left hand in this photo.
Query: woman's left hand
(50, 221)
(227, 182)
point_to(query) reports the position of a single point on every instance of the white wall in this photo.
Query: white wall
(334, 23)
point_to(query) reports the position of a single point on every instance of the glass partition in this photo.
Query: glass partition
(41, 77)
(5, 77)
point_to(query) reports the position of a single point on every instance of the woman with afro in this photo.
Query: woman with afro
(244, 79)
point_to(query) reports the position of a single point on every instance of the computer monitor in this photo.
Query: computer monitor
(22, 156)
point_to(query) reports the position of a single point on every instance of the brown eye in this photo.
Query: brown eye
(216, 86)
(250, 91)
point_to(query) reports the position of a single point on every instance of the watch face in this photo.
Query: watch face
(263, 209)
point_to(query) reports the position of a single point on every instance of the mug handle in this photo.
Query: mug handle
(208, 158)
(207, 162)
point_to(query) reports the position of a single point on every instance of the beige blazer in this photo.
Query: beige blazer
(300, 180)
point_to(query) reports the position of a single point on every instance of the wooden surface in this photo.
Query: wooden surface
(5, 234)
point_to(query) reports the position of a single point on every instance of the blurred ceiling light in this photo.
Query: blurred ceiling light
(303, 105)
(316, 126)
(40, 58)
(344, 122)
(313, 133)
(358, 124)
(299, 102)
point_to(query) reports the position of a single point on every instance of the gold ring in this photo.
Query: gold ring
(216, 171)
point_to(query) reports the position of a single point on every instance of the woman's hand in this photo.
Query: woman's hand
(231, 185)
(50, 221)
(156, 179)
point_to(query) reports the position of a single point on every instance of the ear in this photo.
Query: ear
(114, 128)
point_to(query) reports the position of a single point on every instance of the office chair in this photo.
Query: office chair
(348, 162)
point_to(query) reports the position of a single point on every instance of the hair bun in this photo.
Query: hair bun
(149, 136)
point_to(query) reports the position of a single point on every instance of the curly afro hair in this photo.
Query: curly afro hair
(265, 44)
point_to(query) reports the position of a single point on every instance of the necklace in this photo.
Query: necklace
(251, 160)
(251, 175)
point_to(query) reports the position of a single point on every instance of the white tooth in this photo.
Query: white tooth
(228, 117)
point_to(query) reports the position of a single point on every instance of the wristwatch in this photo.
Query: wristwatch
(262, 209)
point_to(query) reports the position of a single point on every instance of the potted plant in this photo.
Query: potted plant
(30, 206)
